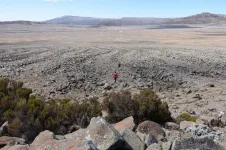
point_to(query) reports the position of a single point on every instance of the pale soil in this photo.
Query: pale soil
(63, 61)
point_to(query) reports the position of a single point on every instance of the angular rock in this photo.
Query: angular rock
(142, 136)
(153, 128)
(150, 139)
(3, 128)
(133, 139)
(10, 141)
(196, 143)
(127, 123)
(47, 140)
(199, 121)
(206, 120)
(44, 137)
(223, 120)
(185, 124)
(222, 129)
(60, 137)
(154, 147)
(172, 126)
(16, 147)
(174, 135)
(102, 134)
(222, 141)
(78, 135)
(166, 145)
(107, 86)
(198, 130)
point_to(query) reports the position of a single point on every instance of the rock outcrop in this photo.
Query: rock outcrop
(127, 123)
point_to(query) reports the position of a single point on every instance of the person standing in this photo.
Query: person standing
(115, 76)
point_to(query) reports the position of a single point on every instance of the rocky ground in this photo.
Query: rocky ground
(185, 66)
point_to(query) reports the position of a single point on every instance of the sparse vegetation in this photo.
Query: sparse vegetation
(143, 106)
(186, 117)
(26, 113)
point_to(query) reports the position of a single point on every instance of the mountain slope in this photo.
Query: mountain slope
(203, 18)
(105, 21)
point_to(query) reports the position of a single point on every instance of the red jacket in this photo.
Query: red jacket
(115, 75)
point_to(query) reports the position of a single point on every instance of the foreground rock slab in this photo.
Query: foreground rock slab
(10, 141)
(47, 140)
(102, 134)
(196, 143)
(16, 147)
(127, 123)
(133, 139)
(185, 124)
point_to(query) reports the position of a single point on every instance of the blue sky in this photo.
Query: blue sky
(38, 10)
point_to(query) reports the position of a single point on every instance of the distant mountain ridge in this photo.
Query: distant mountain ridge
(203, 18)
(20, 22)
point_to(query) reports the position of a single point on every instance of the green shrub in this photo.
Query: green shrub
(143, 106)
(3, 85)
(120, 105)
(27, 113)
(2, 95)
(186, 117)
(23, 93)
(9, 115)
(15, 124)
(151, 107)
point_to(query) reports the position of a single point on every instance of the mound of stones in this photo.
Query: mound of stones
(125, 135)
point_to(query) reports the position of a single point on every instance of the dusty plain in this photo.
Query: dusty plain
(180, 64)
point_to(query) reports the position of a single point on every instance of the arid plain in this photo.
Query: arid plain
(185, 65)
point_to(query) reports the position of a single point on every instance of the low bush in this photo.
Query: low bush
(120, 105)
(143, 106)
(186, 117)
(26, 113)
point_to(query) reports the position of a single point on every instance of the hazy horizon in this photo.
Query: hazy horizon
(41, 10)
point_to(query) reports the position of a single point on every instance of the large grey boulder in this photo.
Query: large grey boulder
(204, 131)
(150, 139)
(102, 134)
(166, 146)
(142, 136)
(198, 130)
(154, 147)
(133, 139)
(196, 144)
(153, 128)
